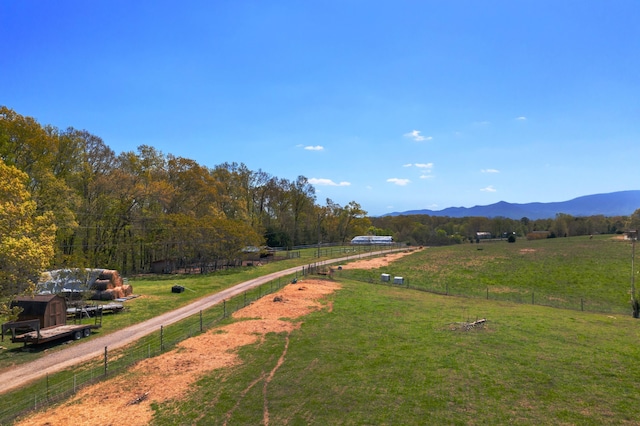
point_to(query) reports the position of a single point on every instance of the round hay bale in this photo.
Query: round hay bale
(107, 274)
(107, 294)
(117, 279)
(111, 275)
(101, 285)
(127, 289)
(117, 293)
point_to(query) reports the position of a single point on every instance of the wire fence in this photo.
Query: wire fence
(514, 295)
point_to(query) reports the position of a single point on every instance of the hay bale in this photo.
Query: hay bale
(117, 293)
(107, 294)
(112, 275)
(127, 289)
(101, 285)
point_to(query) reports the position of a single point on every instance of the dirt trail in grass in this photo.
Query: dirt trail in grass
(127, 399)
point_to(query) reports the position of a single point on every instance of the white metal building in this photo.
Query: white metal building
(372, 239)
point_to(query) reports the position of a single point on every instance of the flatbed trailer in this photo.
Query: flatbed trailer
(36, 335)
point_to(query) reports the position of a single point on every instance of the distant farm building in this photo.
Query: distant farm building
(372, 240)
(483, 235)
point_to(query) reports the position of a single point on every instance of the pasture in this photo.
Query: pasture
(385, 355)
(580, 273)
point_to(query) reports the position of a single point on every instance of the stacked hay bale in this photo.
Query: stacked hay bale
(110, 286)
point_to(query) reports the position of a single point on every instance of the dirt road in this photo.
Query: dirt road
(22, 374)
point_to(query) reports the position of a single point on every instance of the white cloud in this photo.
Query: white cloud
(489, 188)
(490, 171)
(327, 182)
(314, 148)
(398, 181)
(416, 136)
(407, 165)
(424, 165)
(427, 177)
(521, 118)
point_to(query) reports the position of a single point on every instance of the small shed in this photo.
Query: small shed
(50, 309)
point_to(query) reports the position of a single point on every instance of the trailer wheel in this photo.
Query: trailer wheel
(87, 332)
(77, 335)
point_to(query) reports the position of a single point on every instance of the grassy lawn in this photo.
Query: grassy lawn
(392, 356)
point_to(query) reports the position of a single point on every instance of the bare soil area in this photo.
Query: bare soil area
(377, 262)
(127, 399)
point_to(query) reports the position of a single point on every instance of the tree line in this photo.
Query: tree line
(68, 200)
(125, 211)
(443, 230)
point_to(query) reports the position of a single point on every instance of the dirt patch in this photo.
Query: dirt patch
(127, 399)
(527, 250)
(378, 262)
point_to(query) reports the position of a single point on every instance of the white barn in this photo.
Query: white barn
(372, 240)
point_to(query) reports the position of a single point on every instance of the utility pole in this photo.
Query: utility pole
(635, 305)
(319, 217)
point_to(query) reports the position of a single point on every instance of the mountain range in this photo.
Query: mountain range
(621, 203)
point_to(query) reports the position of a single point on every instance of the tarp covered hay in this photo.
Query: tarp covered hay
(71, 280)
(101, 284)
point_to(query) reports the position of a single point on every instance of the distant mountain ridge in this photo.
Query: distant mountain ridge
(621, 203)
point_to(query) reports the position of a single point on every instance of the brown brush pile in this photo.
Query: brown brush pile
(110, 286)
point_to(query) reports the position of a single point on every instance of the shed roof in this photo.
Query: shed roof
(35, 305)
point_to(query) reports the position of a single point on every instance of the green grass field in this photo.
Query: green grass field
(572, 273)
(388, 356)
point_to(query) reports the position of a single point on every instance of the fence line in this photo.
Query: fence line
(531, 297)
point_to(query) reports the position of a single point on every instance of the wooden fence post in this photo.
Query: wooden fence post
(105, 361)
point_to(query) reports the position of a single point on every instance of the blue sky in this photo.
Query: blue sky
(397, 105)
